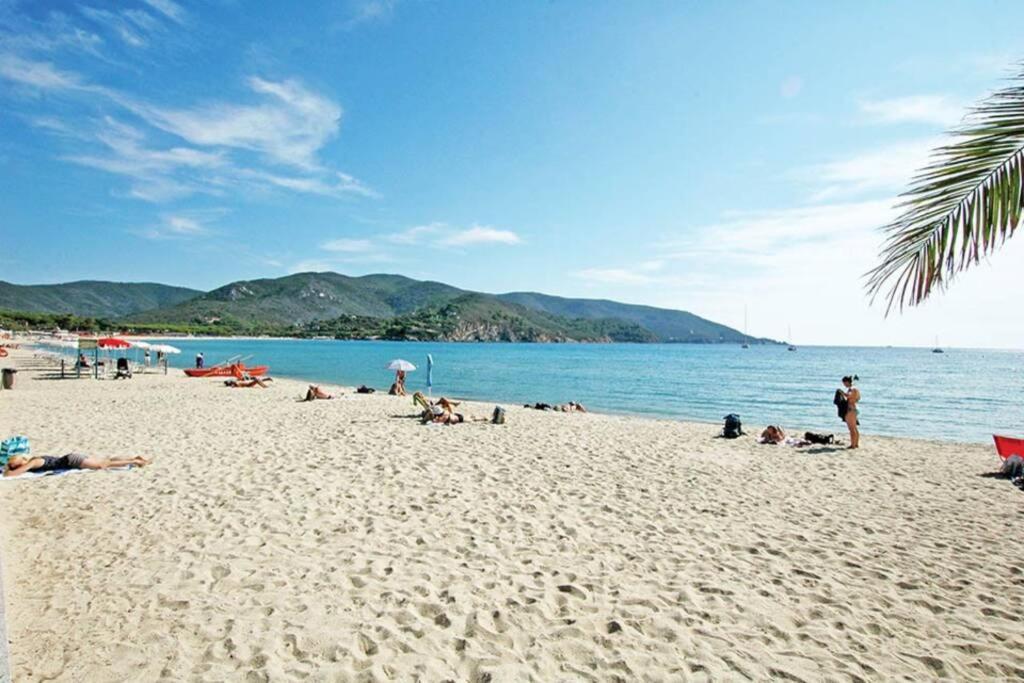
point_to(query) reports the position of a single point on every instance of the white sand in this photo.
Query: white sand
(340, 540)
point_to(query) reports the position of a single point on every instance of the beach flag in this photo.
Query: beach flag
(430, 374)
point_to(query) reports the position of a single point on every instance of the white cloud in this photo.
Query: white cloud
(938, 110)
(168, 8)
(40, 75)
(156, 174)
(890, 168)
(440, 234)
(416, 233)
(791, 87)
(175, 226)
(480, 234)
(347, 245)
(289, 127)
(366, 11)
(123, 25)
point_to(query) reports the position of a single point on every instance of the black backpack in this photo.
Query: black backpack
(823, 439)
(733, 427)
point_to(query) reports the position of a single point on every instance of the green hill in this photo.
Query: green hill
(304, 297)
(92, 298)
(667, 324)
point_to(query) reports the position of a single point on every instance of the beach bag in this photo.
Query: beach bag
(498, 417)
(824, 439)
(16, 445)
(733, 427)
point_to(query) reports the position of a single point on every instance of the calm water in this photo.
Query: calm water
(961, 395)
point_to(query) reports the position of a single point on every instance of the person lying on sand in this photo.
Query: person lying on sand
(248, 382)
(572, 407)
(772, 435)
(72, 461)
(314, 392)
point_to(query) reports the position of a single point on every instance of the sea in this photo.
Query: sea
(960, 395)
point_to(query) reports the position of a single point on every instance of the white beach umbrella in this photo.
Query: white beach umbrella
(400, 364)
(141, 344)
(164, 348)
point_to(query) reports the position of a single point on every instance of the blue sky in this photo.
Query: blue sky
(704, 156)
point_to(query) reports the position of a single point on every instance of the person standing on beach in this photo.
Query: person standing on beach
(852, 399)
(199, 359)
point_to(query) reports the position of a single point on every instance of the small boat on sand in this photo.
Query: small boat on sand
(233, 370)
(1007, 446)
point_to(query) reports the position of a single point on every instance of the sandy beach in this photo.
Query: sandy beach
(342, 540)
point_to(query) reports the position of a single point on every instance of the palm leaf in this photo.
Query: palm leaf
(960, 207)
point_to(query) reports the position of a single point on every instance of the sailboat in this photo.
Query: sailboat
(789, 336)
(745, 344)
(937, 349)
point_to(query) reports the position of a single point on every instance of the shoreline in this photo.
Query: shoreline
(838, 429)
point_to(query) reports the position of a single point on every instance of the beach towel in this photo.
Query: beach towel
(61, 473)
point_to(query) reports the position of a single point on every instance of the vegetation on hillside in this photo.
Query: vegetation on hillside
(89, 298)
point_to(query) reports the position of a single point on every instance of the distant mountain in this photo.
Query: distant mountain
(371, 306)
(305, 297)
(668, 325)
(92, 298)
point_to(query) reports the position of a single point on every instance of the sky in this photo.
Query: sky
(732, 159)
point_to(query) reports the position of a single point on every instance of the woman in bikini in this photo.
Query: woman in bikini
(852, 399)
(72, 461)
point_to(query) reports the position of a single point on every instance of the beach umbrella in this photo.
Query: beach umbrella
(141, 344)
(400, 364)
(430, 374)
(164, 348)
(113, 343)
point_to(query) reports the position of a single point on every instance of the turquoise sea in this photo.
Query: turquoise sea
(962, 394)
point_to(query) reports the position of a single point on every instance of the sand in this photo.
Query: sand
(342, 540)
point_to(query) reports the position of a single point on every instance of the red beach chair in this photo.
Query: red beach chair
(1007, 446)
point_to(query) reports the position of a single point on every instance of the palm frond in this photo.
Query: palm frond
(960, 207)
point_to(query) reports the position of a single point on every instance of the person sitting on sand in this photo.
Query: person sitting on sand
(314, 392)
(772, 435)
(83, 362)
(72, 461)
(397, 389)
(363, 389)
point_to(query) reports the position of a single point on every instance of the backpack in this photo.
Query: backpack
(498, 416)
(824, 439)
(733, 427)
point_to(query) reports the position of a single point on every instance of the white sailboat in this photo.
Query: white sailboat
(789, 338)
(937, 348)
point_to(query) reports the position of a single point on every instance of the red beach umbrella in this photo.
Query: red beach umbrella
(113, 343)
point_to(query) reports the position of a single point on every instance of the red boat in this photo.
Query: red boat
(233, 370)
(1007, 446)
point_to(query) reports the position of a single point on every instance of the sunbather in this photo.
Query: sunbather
(772, 435)
(314, 392)
(249, 382)
(572, 407)
(72, 461)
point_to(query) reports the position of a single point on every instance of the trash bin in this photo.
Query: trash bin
(8, 380)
